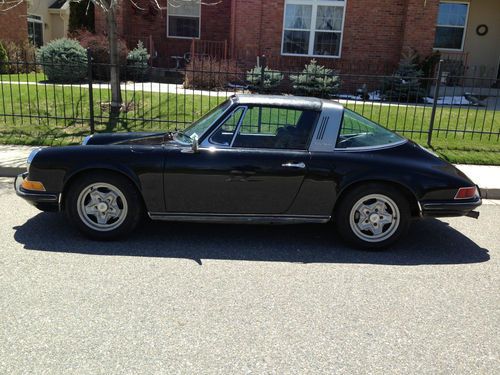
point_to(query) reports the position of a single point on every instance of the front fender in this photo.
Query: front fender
(143, 165)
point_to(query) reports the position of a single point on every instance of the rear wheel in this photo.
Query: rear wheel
(104, 206)
(373, 216)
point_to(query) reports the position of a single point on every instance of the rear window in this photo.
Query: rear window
(357, 131)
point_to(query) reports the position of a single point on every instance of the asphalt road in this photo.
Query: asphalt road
(197, 299)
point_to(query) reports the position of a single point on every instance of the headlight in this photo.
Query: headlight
(32, 156)
(86, 139)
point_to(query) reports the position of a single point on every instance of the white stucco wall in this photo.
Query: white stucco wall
(483, 51)
(55, 20)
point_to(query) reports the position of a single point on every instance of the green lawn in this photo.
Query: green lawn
(23, 77)
(60, 117)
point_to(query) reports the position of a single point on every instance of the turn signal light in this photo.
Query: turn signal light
(32, 185)
(466, 193)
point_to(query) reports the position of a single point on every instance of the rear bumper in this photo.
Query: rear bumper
(450, 209)
(42, 200)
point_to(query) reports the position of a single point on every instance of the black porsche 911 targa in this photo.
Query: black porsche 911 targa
(252, 159)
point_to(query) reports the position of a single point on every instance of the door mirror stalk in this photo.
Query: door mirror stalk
(195, 146)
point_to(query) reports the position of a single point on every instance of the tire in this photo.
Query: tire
(104, 206)
(372, 216)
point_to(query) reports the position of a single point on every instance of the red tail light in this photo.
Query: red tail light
(466, 193)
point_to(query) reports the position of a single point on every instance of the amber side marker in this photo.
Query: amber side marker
(32, 185)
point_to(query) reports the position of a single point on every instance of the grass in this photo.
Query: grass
(59, 115)
(23, 77)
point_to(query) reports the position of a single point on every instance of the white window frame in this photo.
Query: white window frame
(454, 26)
(39, 20)
(187, 16)
(312, 31)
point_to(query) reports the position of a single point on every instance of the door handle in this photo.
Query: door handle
(294, 165)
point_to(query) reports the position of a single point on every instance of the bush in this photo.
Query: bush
(22, 57)
(99, 48)
(272, 78)
(137, 62)
(210, 73)
(3, 60)
(63, 60)
(316, 80)
(404, 85)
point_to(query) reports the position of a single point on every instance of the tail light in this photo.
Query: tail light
(467, 193)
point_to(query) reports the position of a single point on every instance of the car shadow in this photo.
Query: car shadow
(429, 241)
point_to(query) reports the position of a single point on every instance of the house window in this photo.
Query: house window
(450, 29)
(313, 27)
(35, 30)
(184, 19)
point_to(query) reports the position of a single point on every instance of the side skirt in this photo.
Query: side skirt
(239, 218)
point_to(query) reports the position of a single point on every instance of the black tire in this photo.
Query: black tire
(351, 232)
(128, 202)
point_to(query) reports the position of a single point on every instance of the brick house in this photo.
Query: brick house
(353, 33)
(13, 26)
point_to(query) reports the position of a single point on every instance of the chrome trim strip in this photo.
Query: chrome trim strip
(238, 218)
(445, 205)
(371, 148)
(206, 140)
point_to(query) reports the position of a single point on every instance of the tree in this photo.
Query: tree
(111, 8)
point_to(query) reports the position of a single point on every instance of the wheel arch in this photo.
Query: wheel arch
(405, 190)
(75, 175)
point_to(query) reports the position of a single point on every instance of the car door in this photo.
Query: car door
(253, 163)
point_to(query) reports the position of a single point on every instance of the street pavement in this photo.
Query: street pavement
(228, 299)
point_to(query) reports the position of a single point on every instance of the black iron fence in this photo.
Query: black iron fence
(461, 111)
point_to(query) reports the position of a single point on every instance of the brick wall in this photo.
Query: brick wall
(420, 25)
(140, 24)
(375, 32)
(13, 23)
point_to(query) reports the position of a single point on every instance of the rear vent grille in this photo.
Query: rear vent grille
(322, 127)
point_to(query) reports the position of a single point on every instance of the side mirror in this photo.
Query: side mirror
(195, 146)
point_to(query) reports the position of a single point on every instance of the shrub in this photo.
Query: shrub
(99, 48)
(272, 78)
(137, 62)
(404, 85)
(63, 60)
(3, 60)
(22, 57)
(210, 73)
(316, 80)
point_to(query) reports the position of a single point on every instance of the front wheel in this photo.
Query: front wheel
(372, 216)
(104, 206)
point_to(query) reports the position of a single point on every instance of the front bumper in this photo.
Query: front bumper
(451, 208)
(42, 200)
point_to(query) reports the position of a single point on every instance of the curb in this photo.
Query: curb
(490, 193)
(486, 193)
(11, 171)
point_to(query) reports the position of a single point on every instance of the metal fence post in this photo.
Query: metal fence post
(91, 93)
(434, 102)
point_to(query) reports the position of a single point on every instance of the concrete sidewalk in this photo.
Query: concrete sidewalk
(13, 162)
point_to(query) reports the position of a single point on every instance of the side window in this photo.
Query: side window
(358, 131)
(225, 132)
(276, 128)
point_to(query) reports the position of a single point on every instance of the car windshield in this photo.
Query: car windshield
(358, 131)
(199, 127)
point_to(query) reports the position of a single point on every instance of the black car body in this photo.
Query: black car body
(256, 159)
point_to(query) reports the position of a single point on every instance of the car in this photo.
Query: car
(253, 159)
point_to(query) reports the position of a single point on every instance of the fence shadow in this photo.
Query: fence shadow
(429, 241)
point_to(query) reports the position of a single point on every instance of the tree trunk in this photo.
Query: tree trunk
(114, 59)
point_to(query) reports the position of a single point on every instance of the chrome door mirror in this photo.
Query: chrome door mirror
(195, 146)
